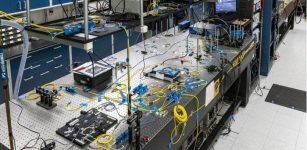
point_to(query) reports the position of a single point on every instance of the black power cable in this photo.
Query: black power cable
(114, 10)
(144, 53)
(60, 1)
(124, 9)
(299, 5)
(93, 65)
(174, 58)
(18, 122)
(100, 58)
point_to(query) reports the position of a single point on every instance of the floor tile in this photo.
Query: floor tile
(264, 111)
(259, 126)
(249, 141)
(223, 145)
(240, 118)
(272, 144)
(301, 141)
(286, 135)
(289, 118)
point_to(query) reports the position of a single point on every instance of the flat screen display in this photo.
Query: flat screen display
(225, 6)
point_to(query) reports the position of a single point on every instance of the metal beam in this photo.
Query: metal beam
(28, 15)
(85, 11)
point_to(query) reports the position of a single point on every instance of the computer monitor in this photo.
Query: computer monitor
(226, 6)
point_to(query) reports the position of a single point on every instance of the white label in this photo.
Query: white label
(210, 93)
(83, 35)
(159, 76)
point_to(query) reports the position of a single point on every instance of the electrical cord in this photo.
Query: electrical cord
(10, 17)
(76, 8)
(302, 12)
(147, 59)
(57, 141)
(124, 9)
(114, 10)
(14, 142)
(174, 58)
(113, 107)
(93, 65)
(228, 130)
(195, 15)
(137, 38)
(144, 64)
(43, 142)
(218, 18)
(60, 1)
(180, 114)
(72, 141)
(18, 122)
(258, 88)
(102, 59)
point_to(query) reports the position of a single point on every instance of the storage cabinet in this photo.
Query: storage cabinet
(42, 66)
(51, 63)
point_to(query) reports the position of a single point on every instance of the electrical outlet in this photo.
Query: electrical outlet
(50, 12)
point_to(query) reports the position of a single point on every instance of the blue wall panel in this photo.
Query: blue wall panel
(38, 3)
(11, 6)
(102, 47)
(120, 40)
(56, 2)
(135, 37)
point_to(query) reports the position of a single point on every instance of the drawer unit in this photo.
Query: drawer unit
(11, 6)
(42, 66)
(102, 47)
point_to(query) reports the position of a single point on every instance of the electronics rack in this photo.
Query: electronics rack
(9, 36)
(278, 21)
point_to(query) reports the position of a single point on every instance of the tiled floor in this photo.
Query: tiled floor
(266, 126)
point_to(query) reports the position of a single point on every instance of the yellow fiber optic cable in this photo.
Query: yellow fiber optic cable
(51, 85)
(104, 139)
(32, 96)
(8, 16)
(183, 117)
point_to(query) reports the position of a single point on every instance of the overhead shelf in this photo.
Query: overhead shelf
(79, 41)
